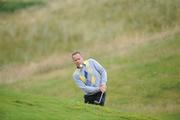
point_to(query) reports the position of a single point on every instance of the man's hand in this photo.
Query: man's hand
(103, 88)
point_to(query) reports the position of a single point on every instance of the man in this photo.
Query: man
(91, 77)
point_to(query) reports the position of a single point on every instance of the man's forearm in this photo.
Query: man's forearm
(89, 89)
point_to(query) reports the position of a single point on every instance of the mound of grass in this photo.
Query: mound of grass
(15, 106)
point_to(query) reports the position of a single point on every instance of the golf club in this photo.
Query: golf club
(97, 102)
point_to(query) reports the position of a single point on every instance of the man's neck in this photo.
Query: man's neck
(81, 66)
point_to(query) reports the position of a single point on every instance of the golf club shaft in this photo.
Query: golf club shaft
(101, 97)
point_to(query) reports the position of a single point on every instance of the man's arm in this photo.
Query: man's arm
(103, 74)
(86, 89)
(101, 70)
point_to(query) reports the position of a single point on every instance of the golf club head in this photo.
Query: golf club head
(98, 102)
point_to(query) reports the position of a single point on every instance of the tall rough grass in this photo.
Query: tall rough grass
(62, 26)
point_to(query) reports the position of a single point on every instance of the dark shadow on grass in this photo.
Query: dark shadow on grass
(12, 6)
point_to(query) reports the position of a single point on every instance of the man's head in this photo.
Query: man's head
(77, 59)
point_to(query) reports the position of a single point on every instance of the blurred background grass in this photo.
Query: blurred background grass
(62, 26)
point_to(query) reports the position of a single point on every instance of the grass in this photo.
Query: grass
(12, 6)
(144, 81)
(25, 35)
(148, 79)
(25, 106)
(137, 42)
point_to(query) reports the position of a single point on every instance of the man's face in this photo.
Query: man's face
(77, 59)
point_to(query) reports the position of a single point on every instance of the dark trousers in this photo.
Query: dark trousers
(94, 99)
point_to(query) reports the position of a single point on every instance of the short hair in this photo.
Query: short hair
(76, 52)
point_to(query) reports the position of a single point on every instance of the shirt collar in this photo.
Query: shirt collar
(82, 66)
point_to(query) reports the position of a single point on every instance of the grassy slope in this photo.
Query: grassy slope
(143, 80)
(15, 106)
(146, 80)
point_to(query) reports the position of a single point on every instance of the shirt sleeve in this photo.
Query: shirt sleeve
(86, 89)
(101, 70)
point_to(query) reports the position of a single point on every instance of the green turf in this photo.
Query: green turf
(18, 106)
